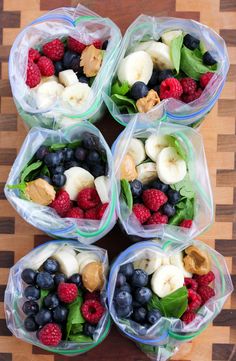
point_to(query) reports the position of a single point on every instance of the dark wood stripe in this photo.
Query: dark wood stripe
(188, 15)
(2, 290)
(2, 195)
(6, 259)
(10, 19)
(50, 5)
(39, 351)
(5, 356)
(5, 89)
(227, 5)
(225, 213)
(41, 239)
(226, 143)
(226, 246)
(225, 318)
(229, 35)
(4, 52)
(8, 122)
(226, 108)
(7, 225)
(231, 76)
(225, 178)
(7, 156)
(3, 329)
(222, 351)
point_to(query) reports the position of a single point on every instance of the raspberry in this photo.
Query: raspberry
(190, 283)
(205, 78)
(194, 300)
(92, 296)
(33, 77)
(205, 280)
(154, 199)
(92, 311)
(188, 317)
(46, 66)
(67, 292)
(170, 88)
(50, 334)
(88, 198)
(54, 49)
(75, 212)
(75, 45)
(188, 98)
(33, 55)
(91, 213)
(97, 44)
(206, 293)
(186, 223)
(101, 210)
(157, 218)
(189, 85)
(61, 203)
(141, 212)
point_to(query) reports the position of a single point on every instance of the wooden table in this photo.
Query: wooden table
(17, 237)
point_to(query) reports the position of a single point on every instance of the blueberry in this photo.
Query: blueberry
(76, 279)
(59, 180)
(139, 314)
(97, 170)
(89, 329)
(32, 293)
(71, 164)
(30, 308)
(58, 170)
(58, 65)
(75, 65)
(154, 78)
(68, 57)
(28, 276)
(191, 42)
(58, 278)
(160, 186)
(46, 178)
(123, 299)
(173, 196)
(169, 210)
(120, 280)
(136, 188)
(126, 287)
(51, 301)
(80, 154)
(165, 74)
(51, 265)
(43, 316)
(52, 159)
(61, 155)
(93, 157)
(153, 316)
(68, 154)
(127, 270)
(139, 278)
(136, 304)
(60, 314)
(41, 152)
(90, 141)
(44, 280)
(104, 45)
(208, 59)
(143, 295)
(30, 324)
(83, 79)
(138, 90)
(124, 311)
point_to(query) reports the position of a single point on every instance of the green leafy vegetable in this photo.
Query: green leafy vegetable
(80, 338)
(75, 144)
(185, 188)
(120, 88)
(43, 294)
(25, 175)
(57, 146)
(185, 210)
(74, 315)
(123, 102)
(174, 142)
(76, 328)
(45, 171)
(175, 51)
(126, 193)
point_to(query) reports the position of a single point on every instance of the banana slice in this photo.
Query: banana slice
(76, 94)
(171, 168)
(135, 67)
(47, 93)
(84, 258)
(154, 144)
(165, 261)
(40, 257)
(68, 77)
(68, 249)
(136, 150)
(102, 185)
(160, 54)
(77, 179)
(148, 263)
(177, 260)
(168, 36)
(143, 46)
(67, 261)
(147, 172)
(45, 79)
(166, 279)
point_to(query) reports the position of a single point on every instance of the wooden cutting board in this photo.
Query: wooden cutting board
(17, 237)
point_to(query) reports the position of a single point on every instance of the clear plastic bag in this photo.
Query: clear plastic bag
(82, 24)
(148, 27)
(162, 339)
(14, 298)
(192, 142)
(44, 217)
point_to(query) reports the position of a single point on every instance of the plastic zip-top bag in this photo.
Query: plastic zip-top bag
(163, 182)
(172, 55)
(33, 190)
(25, 303)
(55, 106)
(179, 305)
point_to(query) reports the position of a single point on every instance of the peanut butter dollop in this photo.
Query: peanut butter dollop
(127, 169)
(40, 191)
(91, 60)
(196, 261)
(92, 276)
(148, 102)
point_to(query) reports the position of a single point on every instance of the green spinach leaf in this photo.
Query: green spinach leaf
(174, 142)
(120, 88)
(185, 188)
(126, 193)
(29, 169)
(80, 338)
(175, 51)
(74, 315)
(75, 144)
(45, 171)
(184, 210)
(76, 328)
(57, 146)
(123, 101)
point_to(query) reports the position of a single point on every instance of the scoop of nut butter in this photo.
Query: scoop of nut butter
(92, 276)
(197, 261)
(40, 191)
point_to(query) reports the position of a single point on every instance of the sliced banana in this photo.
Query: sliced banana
(166, 279)
(77, 178)
(102, 185)
(40, 257)
(165, 261)
(168, 36)
(147, 172)
(171, 168)
(47, 93)
(160, 54)
(148, 263)
(68, 77)
(76, 94)
(68, 249)
(135, 67)
(177, 260)
(136, 150)
(84, 258)
(67, 261)
(45, 79)
(142, 46)
(154, 144)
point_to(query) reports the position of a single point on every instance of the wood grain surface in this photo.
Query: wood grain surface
(17, 237)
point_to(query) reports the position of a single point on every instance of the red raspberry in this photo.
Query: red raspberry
(75, 212)
(188, 98)
(189, 85)
(102, 209)
(188, 317)
(141, 212)
(157, 218)
(75, 45)
(205, 78)
(67, 292)
(97, 44)
(190, 283)
(46, 66)
(50, 334)
(33, 77)
(170, 88)
(154, 199)
(33, 55)
(92, 311)
(186, 223)
(88, 198)
(91, 213)
(61, 203)
(92, 296)
(54, 49)
(194, 300)
(206, 293)
(205, 280)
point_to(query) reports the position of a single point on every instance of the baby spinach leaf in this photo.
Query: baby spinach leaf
(45, 171)
(126, 193)
(28, 169)
(185, 188)
(178, 217)
(120, 88)
(184, 210)
(202, 47)
(80, 338)
(175, 51)
(43, 294)
(74, 315)
(75, 144)
(155, 303)
(179, 148)
(122, 100)
(57, 146)
(76, 328)
(176, 303)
